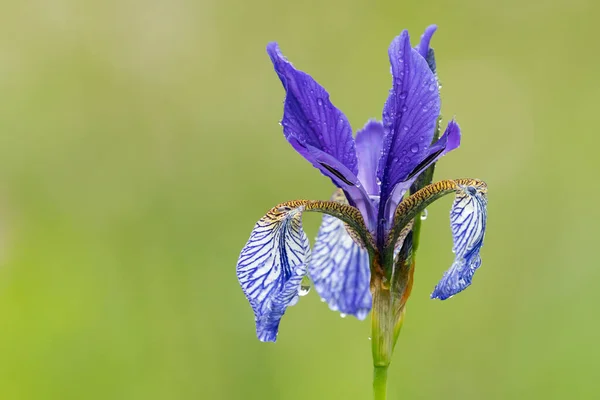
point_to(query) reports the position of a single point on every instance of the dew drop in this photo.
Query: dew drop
(414, 148)
(403, 95)
(425, 109)
(304, 286)
(394, 160)
(369, 337)
(407, 159)
(432, 87)
(304, 289)
(343, 315)
(424, 215)
(320, 102)
(404, 108)
(323, 300)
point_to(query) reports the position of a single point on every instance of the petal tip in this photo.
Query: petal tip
(423, 46)
(266, 336)
(454, 135)
(275, 53)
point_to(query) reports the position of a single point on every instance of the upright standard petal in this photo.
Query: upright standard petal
(340, 269)
(424, 48)
(468, 220)
(271, 267)
(319, 131)
(369, 141)
(409, 115)
(311, 122)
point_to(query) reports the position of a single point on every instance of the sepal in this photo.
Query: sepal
(271, 267)
(468, 221)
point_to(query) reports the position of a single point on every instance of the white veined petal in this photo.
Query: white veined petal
(340, 271)
(467, 220)
(271, 267)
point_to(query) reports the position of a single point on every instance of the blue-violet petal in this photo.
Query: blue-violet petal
(409, 115)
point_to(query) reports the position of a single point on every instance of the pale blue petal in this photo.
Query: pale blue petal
(339, 269)
(271, 267)
(467, 220)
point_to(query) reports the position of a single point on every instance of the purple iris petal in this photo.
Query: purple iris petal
(320, 132)
(449, 141)
(310, 117)
(423, 46)
(368, 149)
(340, 270)
(409, 115)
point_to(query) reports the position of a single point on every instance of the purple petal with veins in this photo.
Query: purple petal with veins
(409, 116)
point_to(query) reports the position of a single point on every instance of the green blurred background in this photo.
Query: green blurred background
(140, 143)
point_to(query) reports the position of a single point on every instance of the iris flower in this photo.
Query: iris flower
(363, 257)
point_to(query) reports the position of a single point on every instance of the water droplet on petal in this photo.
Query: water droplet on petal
(320, 102)
(432, 87)
(343, 315)
(303, 291)
(424, 215)
(402, 95)
(394, 160)
(304, 286)
(414, 148)
(404, 108)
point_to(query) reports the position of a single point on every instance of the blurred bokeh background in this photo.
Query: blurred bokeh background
(139, 143)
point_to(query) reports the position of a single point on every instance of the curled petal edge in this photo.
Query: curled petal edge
(413, 205)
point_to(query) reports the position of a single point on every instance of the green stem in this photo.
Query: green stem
(380, 383)
(386, 320)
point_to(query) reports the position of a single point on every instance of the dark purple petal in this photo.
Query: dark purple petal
(449, 141)
(409, 115)
(309, 117)
(342, 177)
(319, 131)
(423, 46)
(368, 149)
(425, 50)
